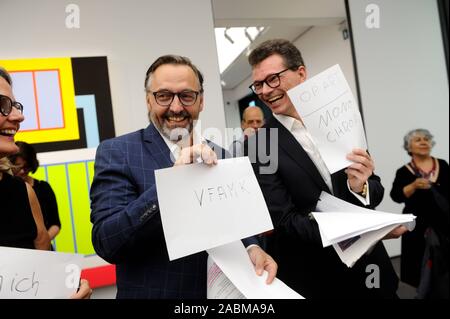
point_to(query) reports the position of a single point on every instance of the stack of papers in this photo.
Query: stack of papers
(353, 230)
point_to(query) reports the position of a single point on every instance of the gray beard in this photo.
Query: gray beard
(176, 134)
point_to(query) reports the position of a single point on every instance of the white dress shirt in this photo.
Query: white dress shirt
(176, 147)
(298, 130)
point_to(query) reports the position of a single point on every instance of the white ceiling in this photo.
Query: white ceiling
(286, 19)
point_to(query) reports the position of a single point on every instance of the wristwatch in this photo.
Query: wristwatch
(363, 193)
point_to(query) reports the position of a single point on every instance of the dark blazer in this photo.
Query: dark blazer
(127, 229)
(291, 193)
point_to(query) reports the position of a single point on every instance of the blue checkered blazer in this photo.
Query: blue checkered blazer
(127, 228)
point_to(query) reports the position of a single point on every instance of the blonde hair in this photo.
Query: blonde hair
(5, 166)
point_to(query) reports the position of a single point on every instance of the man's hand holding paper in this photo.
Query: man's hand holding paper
(330, 113)
(360, 170)
(215, 205)
(262, 261)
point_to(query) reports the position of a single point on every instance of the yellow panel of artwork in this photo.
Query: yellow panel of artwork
(50, 85)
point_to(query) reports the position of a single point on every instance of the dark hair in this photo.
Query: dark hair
(173, 59)
(286, 49)
(28, 153)
(4, 74)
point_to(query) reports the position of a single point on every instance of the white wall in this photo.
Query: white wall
(231, 108)
(403, 83)
(321, 47)
(132, 34)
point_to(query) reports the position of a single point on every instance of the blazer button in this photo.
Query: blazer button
(143, 216)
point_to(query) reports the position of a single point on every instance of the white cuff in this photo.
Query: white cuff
(364, 200)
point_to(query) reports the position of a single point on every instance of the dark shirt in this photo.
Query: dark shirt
(47, 201)
(422, 204)
(17, 225)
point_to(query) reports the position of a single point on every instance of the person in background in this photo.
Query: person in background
(422, 184)
(252, 120)
(21, 221)
(26, 162)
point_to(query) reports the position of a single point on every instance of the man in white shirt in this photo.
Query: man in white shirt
(292, 191)
(127, 229)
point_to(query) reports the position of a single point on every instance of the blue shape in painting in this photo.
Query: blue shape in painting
(87, 103)
(24, 93)
(49, 99)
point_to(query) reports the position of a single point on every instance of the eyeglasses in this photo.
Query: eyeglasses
(272, 80)
(186, 98)
(6, 105)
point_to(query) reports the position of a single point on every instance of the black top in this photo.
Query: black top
(423, 205)
(47, 201)
(17, 225)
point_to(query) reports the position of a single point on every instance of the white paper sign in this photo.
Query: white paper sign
(239, 272)
(37, 274)
(331, 115)
(203, 207)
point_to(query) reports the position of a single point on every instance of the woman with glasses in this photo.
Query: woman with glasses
(422, 184)
(21, 222)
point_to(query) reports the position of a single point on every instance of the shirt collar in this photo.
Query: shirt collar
(288, 122)
(173, 146)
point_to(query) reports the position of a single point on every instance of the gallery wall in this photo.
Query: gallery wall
(403, 81)
(132, 36)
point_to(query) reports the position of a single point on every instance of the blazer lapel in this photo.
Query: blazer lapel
(157, 147)
(293, 149)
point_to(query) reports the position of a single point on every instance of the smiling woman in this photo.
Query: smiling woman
(10, 115)
(21, 221)
(422, 184)
(22, 226)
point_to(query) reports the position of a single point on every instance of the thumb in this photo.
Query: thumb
(259, 265)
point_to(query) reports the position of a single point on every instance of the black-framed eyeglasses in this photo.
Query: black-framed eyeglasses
(6, 105)
(272, 80)
(186, 98)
